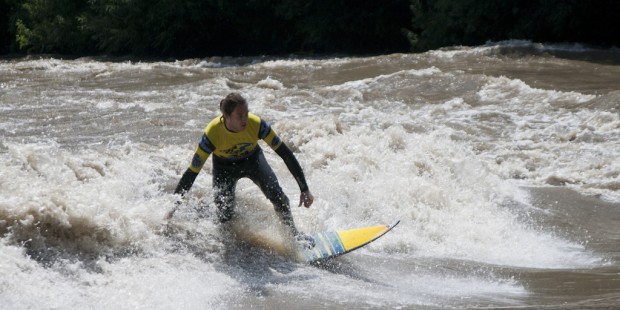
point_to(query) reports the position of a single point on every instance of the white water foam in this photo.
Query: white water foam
(443, 151)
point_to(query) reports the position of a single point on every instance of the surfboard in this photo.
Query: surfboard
(331, 244)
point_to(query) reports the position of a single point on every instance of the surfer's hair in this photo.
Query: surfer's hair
(232, 100)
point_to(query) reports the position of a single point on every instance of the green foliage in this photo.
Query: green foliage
(51, 26)
(209, 27)
(144, 27)
(189, 28)
(23, 35)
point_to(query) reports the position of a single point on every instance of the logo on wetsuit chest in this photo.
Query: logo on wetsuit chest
(239, 150)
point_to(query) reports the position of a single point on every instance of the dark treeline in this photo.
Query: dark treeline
(199, 28)
(205, 27)
(473, 22)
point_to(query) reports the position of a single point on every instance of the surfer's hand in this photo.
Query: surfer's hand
(169, 214)
(306, 199)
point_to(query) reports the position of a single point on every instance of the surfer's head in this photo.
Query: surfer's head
(234, 109)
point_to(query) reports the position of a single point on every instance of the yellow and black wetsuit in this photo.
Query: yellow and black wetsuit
(237, 155)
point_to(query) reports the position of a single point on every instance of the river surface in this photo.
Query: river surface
(501, 161)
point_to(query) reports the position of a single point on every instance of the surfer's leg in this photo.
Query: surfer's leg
(266, 179)
(224, 185)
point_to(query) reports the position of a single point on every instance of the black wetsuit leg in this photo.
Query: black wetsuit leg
(224, 183)
(264, 177)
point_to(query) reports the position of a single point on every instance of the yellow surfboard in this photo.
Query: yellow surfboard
(335, 243)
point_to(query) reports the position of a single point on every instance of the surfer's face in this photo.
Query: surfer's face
(238, 119)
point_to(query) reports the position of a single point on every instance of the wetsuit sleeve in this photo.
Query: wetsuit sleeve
(293, 166)
(267, 134)
(187, 180)
(204, 149)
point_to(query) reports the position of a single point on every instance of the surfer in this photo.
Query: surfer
(232, 139)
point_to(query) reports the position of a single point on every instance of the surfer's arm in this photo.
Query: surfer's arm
(186, 182)
(293, 166)
(271, 138)
(203, 150)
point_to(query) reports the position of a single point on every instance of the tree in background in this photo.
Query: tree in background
(137, 27)
(209, 27)
(354, 26)
(198, 28)
(438, 23)
(44, 26)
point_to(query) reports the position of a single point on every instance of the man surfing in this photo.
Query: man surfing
(232, 139)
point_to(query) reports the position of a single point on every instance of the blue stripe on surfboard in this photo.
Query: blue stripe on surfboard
(326, 244)
(335, 243)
